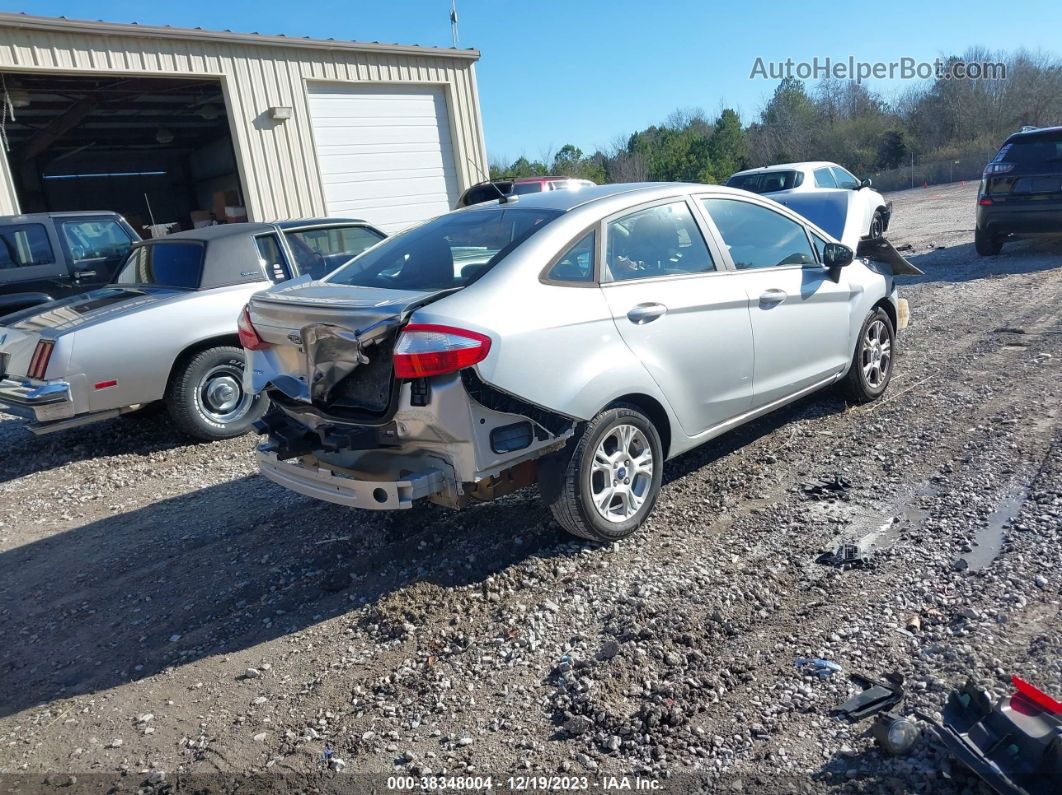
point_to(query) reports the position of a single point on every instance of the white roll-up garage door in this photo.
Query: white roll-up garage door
(385, 152)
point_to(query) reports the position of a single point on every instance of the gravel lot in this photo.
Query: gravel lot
(163, 608)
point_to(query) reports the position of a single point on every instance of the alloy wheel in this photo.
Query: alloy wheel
(876, 354)
(622, 473)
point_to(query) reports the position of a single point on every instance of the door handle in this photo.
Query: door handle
(645, 313)
(84, 274)
(772, 297)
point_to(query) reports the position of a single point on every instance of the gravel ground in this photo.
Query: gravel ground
(164, 609)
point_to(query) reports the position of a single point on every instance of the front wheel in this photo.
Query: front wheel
(877, 226)
(612, 478)
(206, 397)
(871, 368)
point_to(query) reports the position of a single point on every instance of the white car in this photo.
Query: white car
(853, 208)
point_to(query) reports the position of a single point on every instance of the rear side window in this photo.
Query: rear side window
(577, 263)
(164, 265)
(25, 245)
(824, 178)
(658, 241)
(757, 237)
(96, 239)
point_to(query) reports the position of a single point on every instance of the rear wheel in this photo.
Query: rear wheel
(612, 478)
(987, 243)
(206, 397)
(871, 369)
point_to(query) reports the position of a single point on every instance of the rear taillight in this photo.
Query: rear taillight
(998, 168)
(1036, 696)
(39, 362)
(249, 338)
(426, 350)
(986, 202)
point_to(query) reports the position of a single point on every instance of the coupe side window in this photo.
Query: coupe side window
(24, 246)
(321, 251)
(824, 178)
(844, 179)
(757, 237)
(658, 241)
(577, 263)
(276, 264)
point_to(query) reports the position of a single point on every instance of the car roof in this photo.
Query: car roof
(804, 166)
(565, 200)
(20, 219)
(219, 231)
(1041, 132)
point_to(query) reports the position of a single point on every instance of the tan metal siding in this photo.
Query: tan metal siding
(277, 162)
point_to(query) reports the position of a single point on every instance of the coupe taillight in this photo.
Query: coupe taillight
(426, 350)
(249, 338)
(39, 361)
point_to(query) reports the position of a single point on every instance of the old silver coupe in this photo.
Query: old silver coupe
(165, 329)
(577, 339)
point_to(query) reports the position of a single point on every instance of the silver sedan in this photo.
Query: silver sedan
(573, 339)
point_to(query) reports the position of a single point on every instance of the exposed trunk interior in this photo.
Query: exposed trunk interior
(158, 150)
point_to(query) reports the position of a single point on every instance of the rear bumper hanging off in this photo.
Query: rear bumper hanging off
(331, 486)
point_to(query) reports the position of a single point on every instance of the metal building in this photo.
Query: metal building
(171, 125)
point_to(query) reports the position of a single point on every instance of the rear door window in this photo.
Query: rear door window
(320, 251)
(24, 246)
(757, 237)
(658, 241)
(824, 178)
(766, 181)
(164, 265)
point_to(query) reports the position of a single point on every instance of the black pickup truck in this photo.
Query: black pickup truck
(45, 256)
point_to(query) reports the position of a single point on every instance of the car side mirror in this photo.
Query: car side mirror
(837, 255)
(865, 183)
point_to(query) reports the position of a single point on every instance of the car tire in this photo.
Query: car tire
(616, 440)
(877, 226)
(872, 362)
(986, 243)
(205, 396)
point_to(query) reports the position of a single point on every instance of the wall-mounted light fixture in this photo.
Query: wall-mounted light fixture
(280, 113)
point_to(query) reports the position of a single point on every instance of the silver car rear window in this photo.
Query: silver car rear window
(451, 251)
(164, 265)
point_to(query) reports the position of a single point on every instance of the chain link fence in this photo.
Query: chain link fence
(966, 167)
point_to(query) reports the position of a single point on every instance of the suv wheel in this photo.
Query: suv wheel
(206, 397)
(872, 361)
(612, 478)
(986, 243)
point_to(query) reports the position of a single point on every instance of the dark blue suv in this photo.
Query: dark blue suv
(1021, 189)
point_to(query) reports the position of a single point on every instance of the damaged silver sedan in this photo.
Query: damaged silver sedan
(576, 340)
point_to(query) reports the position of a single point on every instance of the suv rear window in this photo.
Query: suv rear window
(24, 245)
(450, 251)
(164, 265)
(766, 181)
(1046, 149)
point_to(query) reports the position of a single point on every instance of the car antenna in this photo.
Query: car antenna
(502, 198)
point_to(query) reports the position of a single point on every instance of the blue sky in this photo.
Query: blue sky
(589, 71)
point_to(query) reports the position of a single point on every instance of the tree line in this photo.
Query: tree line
(837, 120)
